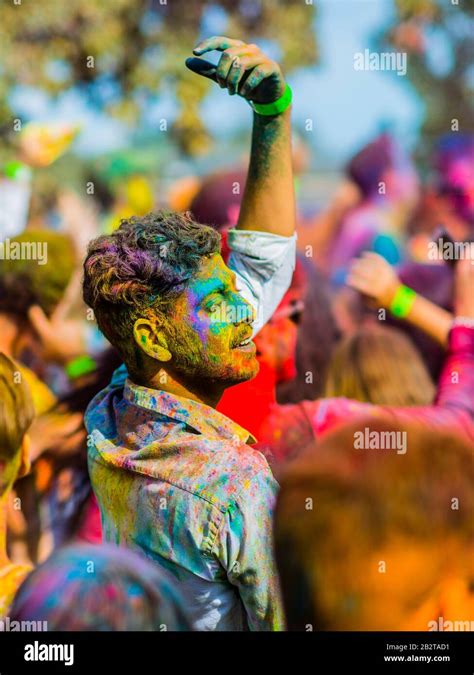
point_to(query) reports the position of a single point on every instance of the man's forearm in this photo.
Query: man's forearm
(269, 201)
(268, 204)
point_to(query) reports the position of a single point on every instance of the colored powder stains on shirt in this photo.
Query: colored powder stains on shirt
(187, 490)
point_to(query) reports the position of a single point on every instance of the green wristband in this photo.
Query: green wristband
(82, 365)
(402, 301)
(277, 107)
(14, 170)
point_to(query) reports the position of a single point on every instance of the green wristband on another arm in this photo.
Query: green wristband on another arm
(276, 107)
(402, 301)
(82, 365)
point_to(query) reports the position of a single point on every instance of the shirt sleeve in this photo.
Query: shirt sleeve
(264, 264)
(245, 549)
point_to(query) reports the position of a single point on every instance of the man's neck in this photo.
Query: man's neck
(206, 393)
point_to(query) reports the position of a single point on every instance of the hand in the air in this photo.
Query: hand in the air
(373, 276)
(242, 69)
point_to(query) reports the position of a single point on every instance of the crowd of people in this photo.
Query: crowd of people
(224, 414)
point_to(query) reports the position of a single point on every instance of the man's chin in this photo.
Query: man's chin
(241, 372)
(244, 377)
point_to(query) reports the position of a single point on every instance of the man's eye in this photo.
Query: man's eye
(214, 305)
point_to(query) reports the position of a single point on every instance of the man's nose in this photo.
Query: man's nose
(245, 312)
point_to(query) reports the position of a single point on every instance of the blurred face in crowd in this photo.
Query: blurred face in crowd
(207, 336)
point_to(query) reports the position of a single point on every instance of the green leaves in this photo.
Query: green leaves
(139, 48)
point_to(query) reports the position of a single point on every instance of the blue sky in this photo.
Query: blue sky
(347, 107)
(350, 106)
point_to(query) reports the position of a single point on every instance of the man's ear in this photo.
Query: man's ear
(25, 462)
(151, 340)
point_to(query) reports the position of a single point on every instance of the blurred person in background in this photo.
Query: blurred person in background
(380, 365)
(454, 183)
(291, 427)
(388, 186)
(316, 233)
(60, 438)
(36, 328)
(32, 288)
(38, 146)
(134, 197)
(445, 215)
(16, 415)
(100, 588)
(217, 200)
(316, 333)
(371, 540)
(430, 315)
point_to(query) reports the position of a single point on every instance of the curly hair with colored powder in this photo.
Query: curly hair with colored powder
(140, 269)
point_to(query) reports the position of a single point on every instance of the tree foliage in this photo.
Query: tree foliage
(448, 94)
(121, 53)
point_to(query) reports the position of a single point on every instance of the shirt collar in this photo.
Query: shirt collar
(199, 416)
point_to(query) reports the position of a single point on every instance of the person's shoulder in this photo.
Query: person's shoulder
(237, 461)
(231, 469)
(98, 411)
(286, 429)
(289, 414)
(326, 413)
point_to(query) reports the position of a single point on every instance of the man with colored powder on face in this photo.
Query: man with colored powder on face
(175, 478)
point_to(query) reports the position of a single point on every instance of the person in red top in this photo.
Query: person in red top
(290, 428)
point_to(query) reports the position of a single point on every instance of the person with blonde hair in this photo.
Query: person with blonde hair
(379, 364)
(16, 415)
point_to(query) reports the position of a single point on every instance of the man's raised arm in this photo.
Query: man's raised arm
(268, 204)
